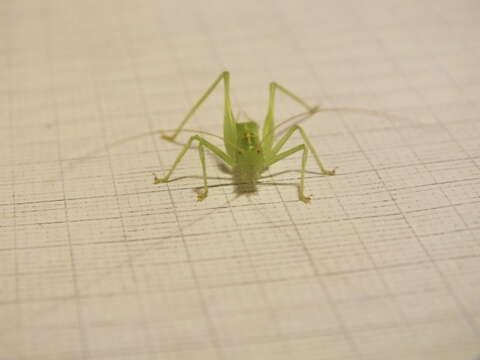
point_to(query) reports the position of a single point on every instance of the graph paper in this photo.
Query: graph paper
(97, 262)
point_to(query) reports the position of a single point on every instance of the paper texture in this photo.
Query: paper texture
(97, 262)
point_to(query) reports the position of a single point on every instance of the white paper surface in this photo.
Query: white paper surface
(96, 262)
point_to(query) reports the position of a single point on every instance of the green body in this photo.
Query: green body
(246, 152)
(249, 160)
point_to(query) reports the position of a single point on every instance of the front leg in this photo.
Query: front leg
(275, 157)
(202, 143)
(281, 156)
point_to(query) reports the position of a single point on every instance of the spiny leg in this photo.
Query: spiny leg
(285, 138)
(202, 143)
(281, 156)
(269, 124)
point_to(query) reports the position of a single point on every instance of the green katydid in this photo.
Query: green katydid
(246, 153)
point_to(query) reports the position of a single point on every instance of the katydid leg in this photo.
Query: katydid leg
(202, 143)
(287, 153)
